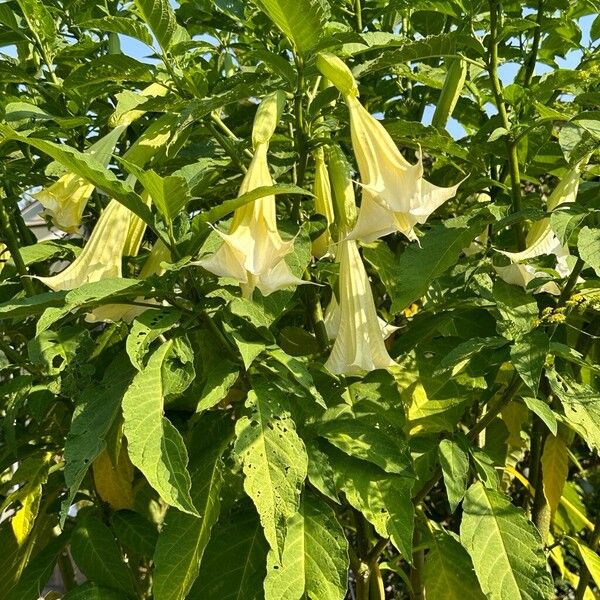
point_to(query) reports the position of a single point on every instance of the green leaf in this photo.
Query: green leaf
(146, 328)
(581, 405)
(121, 25)
(505, 547)
(113, 68)
(39, 19)
(448, 571)
(543, 411)
(591, 560)
(408, 278)
(444, 44)
(588, 244)
(155, 447)
(136, 533)
(97, 554)
(228, 206)
(184, 537)
(315, 556)
(455, 469)
(159, 16)
(371, 439)
(518, 310)
(233, 571)
(301, 21)
(92, 419)
(384, 499)
(528, 356)
(274, 460)
(35, 305)
(39, 570)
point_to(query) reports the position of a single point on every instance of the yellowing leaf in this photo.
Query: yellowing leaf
(555, 468)
(114, 482)
(22, 522)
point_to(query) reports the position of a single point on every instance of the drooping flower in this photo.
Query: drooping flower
(541, 240)
(396, 197)
(323, 204)
(253, 252)
(64, 201)
(359, 340)
(102, 254)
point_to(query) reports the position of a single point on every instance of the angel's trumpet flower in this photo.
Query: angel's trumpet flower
(323, 204)
(396, 197)
(65, 200)
(359, 341)
(541, 240)
(253, 251)
(102, 255)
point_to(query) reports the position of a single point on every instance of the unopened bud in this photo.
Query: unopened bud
(267, 117)
(344, 203)
(338, 73)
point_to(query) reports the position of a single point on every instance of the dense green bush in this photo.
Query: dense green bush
(276, 336)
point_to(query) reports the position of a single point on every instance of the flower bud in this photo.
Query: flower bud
(344, 202)
(267, 117)
(338, 73)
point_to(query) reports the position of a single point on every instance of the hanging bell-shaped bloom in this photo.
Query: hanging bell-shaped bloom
(323, 204)
(396, 197)
(102, 255)
(64, 201)
(541, 240)
(253, 251)
(359, 341)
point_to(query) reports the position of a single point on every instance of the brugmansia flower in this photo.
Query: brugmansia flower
(541, 240)
(396, 197)
(323, 204)
(102, 255)
(65, 199)
(253, 251)
(359, 341)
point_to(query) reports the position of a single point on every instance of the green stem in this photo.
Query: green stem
(223, 127)
(228, 147)
(537, 34)
(300, 136)
(358, 11)
(511, 145)
(416, 570)
(12, 244)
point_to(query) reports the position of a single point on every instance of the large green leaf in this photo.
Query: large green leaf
(274, 460)
(120, 25)
(114, 68)
(160, 18)
(93, 416)
(97, 554)
(315, 556)
(505, 547)
(448, 571)
(370, 439)
(301, 21)
(89, 591)
(234, 564)
(444, 44)
(408, 278)
(528, 356)
(383, 498)
(588, 244)
(184, 537)
(581, 405)
(455, 469)
(155, 447)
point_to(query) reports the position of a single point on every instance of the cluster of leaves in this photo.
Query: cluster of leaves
(202, 450)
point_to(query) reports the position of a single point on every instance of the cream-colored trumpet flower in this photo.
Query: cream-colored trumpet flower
(65, 200)
(359, 340)
(253, 252)
(396, 197)
(102, 255)
(323, 204)
(541, 240)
